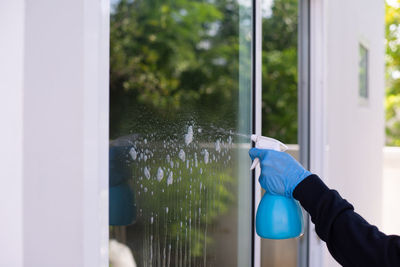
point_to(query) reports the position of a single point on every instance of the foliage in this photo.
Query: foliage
(179, 191)
(279, 75)
(392, 102)
(177, 61)
(168, 57)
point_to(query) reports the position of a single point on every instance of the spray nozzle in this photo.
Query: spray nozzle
(266, 143)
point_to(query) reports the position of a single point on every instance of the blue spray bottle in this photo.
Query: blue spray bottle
(278, 217)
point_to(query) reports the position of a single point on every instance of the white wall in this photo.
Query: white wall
(354, 133)
(11, 90)
(391, 185)
(54, 107)
(53, 134)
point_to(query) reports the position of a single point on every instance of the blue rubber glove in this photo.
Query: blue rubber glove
(280, 172)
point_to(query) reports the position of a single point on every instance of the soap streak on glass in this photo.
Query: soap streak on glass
(176, 215)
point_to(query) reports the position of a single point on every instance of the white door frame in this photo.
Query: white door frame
(54, 109)
(317, 103)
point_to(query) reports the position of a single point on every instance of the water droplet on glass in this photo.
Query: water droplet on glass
(160, 174)
(189, 135)
(145, 141)
(182, 155)
(168, 158)
(145, 189)
(230, 140)
(166, 209)
(133, 153)
(151, 220)
(218, 145)
(170, 178)
(146, 172)
(206, 156)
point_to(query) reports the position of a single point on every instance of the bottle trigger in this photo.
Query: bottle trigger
(266, 143)
(256, 161)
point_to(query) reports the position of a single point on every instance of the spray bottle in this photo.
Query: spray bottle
(278, 217)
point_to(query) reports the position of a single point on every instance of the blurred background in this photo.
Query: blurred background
(126, 125)
(182, 65)
(182, 69)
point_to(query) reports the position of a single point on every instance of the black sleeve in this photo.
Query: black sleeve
(351, 240)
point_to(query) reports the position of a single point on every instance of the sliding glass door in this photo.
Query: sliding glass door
(182, 86)
(180, 119)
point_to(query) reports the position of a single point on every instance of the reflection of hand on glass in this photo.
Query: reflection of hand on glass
(122, 209)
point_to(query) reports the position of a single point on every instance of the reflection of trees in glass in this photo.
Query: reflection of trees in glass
(171, 56)
(279, 75)
(182, 184)
(174, 62)
(178, 213)
(392, 102)
(177, 62)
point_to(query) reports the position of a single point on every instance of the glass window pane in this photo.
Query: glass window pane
(363, 72)
(180, 119)
(279, 100)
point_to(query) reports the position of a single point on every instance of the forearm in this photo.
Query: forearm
(351, 240)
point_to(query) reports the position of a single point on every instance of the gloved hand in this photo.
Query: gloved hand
(280, 172)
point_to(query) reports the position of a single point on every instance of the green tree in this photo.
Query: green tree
(392, 102)
(171, 60)
(166, 58)
(171, 56)
(279, 73)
